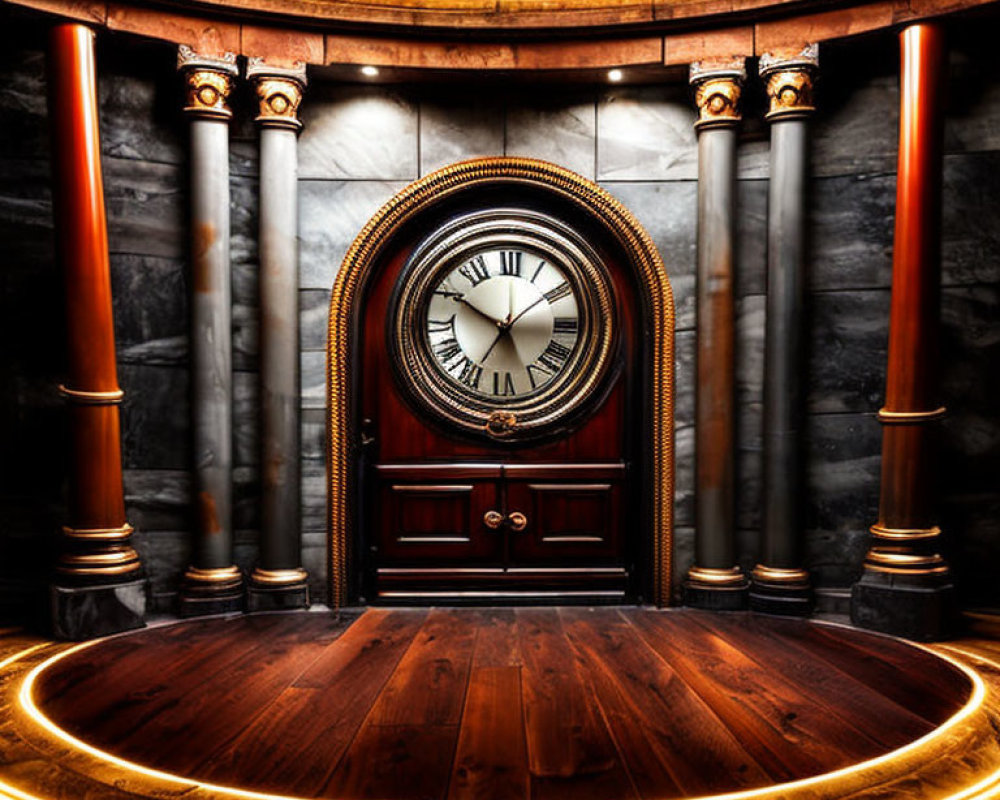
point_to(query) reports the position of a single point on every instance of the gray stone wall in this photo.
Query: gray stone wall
(362, 143)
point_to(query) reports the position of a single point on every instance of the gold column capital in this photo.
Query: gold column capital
(790, 82)
(279, 93)
(208, 83)
(718, 86)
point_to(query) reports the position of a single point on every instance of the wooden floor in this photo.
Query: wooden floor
(500, 703)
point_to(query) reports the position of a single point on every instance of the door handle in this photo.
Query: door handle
(493, 520)
(517, 521)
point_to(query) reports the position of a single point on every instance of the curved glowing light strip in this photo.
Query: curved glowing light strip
(973, 704)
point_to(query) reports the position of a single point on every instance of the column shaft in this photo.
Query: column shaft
(213, 584)
(779, 583)
(714, 581)
(96, 546)
(279, 580)
(906, 587)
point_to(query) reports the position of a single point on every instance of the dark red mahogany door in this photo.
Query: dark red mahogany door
(450, 517)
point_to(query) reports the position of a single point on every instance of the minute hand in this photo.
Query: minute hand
(479, 311)
(510, 324)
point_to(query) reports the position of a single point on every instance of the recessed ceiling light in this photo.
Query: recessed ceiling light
(615, 75)
(369, 71)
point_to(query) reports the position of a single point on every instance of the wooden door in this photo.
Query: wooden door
(427, 489)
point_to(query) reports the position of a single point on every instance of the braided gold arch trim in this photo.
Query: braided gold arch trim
(358, 265)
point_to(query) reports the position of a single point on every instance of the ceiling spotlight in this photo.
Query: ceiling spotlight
(615, 75)
(369, 71)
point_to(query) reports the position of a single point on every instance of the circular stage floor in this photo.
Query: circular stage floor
(504, 703)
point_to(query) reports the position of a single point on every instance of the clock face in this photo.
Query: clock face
(502, 323)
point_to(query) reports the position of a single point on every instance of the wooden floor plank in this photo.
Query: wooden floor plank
(312, 723)
(652, 711)
(428, 685)
(928, 691)
(570, 751)
(782, 728)
(491, 759)
(843, 696)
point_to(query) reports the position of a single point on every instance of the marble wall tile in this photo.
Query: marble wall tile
(843, 457)
(146, 208)
(685, 348)
(683, 560)
(848, 339)
(246, 418)
(26, 215)
(855, 130)
(749, 485)
(150, 298)
(331, 215)
(668, 210)
(24, 124)
(850, 230)
(140, 105)
(751, 237)
(314, 488)
(156, 424)
(684, 474)
(970, 525)
(314, 422)
(972, 121)
(455, 126)
(358, 132)
(560, 128)
(313, 379)
(246, 499)
(159, 499)
(314, 318)
(970, 239)
(749, 351)
(647, 133)
(165, 555)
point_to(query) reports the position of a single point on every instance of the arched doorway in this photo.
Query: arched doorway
(491, 438)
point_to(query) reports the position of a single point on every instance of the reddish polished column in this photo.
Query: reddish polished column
(96, 546)
(906, 587)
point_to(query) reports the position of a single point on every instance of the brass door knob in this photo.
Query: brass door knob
(493, 520)
(517, 521)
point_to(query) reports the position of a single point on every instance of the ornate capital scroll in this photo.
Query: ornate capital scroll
(717, 90)
(208, 83)
(790, 83)
(279, 93)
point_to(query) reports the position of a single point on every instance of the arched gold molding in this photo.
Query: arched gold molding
(358, 265)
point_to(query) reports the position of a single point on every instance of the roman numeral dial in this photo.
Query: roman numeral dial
(503, 324)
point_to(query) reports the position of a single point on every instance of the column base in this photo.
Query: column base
(277, 590)
(918, 608)
(781, 591)
(716, 589)
(207, 592)
(87, 612)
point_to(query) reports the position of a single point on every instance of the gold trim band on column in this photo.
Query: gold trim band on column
(709, 576)
(909, 417)
(87, 534)
(905, 563)
(279, 577)
(780, 576)
(883, 532)
(87, 398)
(213, 575)
(115, 562)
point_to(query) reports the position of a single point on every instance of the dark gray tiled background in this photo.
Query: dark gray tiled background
(363, 143)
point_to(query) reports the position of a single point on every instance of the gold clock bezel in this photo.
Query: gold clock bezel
(456, 241)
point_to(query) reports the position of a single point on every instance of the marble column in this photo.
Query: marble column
(715, 581)
(779, 584)
(906, 587)
(99, 586)
(212, 583)
(279, 581)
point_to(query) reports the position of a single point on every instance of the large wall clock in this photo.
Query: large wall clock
(503, 323)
